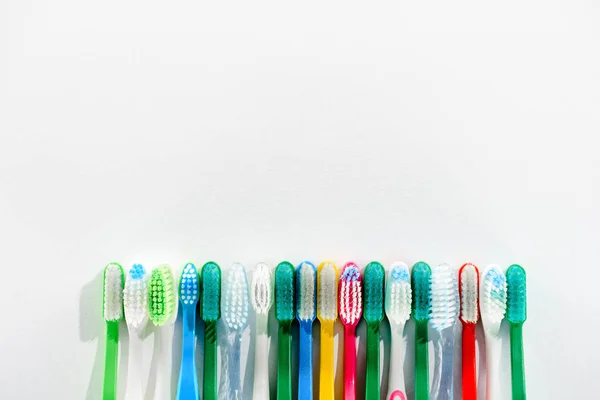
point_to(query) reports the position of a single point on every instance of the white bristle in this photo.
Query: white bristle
(236, 302)
(351, 297)
(469, 299)
(262, 289)
(444, 296)
(328, 291)
(307, 292)
(135, 297)
(493, 296)
(113, 293)
(398, 299)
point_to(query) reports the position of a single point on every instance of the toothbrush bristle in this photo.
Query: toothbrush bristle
(262, 289)
(236, 301)
(162, 297)
(421, 283)
(516, 278)
(350, 295)
(211, 292)
(113, 292)
(284, 292)
(135, 296)
(444, 297)
(398, 294)
(469, 294)
(327, 292)
(493, 296)
(374, 288)
(307, 291)
(188, 286)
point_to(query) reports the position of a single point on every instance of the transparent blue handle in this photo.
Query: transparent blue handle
(305, 374)
(443, 385)
(233, 367)
(187, 388)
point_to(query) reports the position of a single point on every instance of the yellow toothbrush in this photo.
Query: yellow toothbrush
(327, 292)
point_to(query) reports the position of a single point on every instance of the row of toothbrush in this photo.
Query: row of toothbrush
(440, 296)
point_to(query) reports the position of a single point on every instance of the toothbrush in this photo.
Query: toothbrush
(306, 292)
(284, 307)
(211, 312)
(327, 293)
(492, 295)
(262, 300)
(350, 306)
(469, 315)
(135, 297)
(516, 314)
(374, 286)
(398, 300)
(236, 304)
(162, 308)
(187, 388)
(112, 301)
(421, 307)
(444, 313)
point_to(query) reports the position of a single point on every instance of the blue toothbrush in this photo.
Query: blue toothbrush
(306, 312)
(187, 388)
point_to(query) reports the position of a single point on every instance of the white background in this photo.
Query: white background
(164, 132)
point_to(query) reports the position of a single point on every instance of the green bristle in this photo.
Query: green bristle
(374, 280)
(284, 292)
(161, 295)
(211, 292)
(421, 288)
(516, 312)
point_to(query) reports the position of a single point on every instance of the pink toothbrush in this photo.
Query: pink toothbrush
(350, 306)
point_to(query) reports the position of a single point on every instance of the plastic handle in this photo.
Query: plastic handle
(305, 381)
(421, 361)
(135, 389)
(349, 362)
(261, 362)
(187, 389)
(372, 389)
(492, 350)
(517, 362)
(233, 366)
(327, 371)
(284, 362)
(469, 363)
(396, 387)
(163, 337)
(111, 361)
(443, 387)
(209, 389)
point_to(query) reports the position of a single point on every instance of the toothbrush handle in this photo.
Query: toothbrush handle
(233, 367)
(187, 389)
(209, 389)
(261, 361)
(443, 387)
(372, 389)
(134, 390)
(396, 388)
(349, 363)
(326, 380)
(111, 361)
(305, 381)
(164, 336)
(517, 362)
(284, 362)
(421, 361)
(492, 350)
(469, 363)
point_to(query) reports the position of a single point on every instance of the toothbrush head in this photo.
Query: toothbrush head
(262, 289)
(421, 283)
(374, 288)
(444, 297)
(306, 292)
(135, 297)
(188, 286)
(162, 296)
(516, 312)
(469, 294)
(398, 294)
(236, 299)
(492, 298)
(284, 292)
(112, 298)
(350, 295)
(211, 292)
(327, 291)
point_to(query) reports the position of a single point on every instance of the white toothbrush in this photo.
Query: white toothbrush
(261, 296)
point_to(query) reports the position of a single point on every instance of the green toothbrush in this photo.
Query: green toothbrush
(211, 312)
(421, 307)
(112, 299)
(516, 314)
(374, 280)
(284, 307)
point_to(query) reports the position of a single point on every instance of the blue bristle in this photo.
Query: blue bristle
(188, 287)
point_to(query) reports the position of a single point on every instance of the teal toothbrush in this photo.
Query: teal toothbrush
(284, 307)
(211, 312)
(374, 281)
(516, 314)
(113, 314)
(421, 307)
(187, 388)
